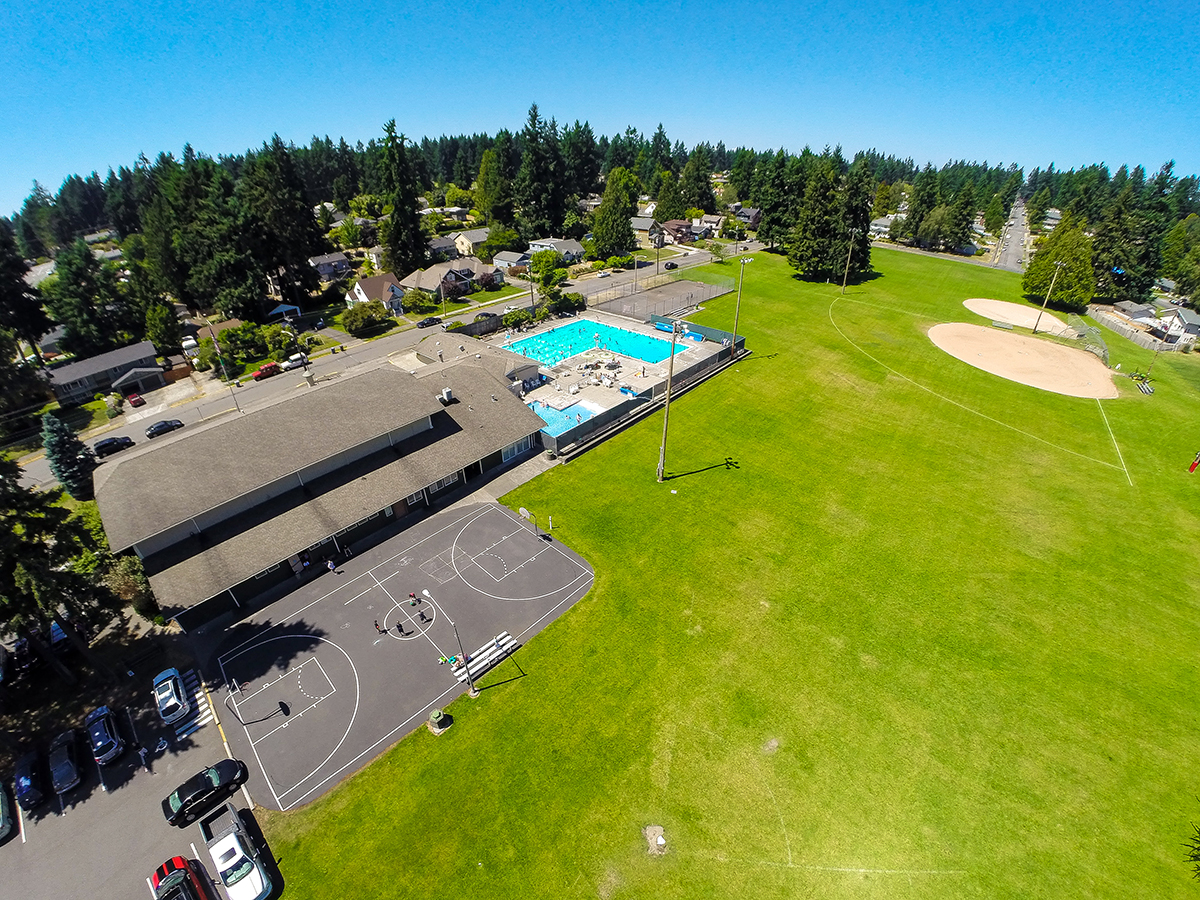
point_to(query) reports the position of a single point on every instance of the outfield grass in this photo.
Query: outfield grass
(923, 640)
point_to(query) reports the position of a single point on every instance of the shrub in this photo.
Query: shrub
(454, 326)
(516, 318)
(364, 316)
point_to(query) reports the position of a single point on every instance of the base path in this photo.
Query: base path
(1026, 360)
(1016, 314)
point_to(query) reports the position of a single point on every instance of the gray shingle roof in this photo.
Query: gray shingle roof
(328, 258)
(113, 359)
(463, 433)
(139, 495)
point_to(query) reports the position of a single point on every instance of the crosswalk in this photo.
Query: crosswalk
(202, 712)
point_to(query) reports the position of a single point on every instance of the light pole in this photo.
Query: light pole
(662, 450)
(737, 310)
(846, 274)
(635, 268)
(1057, 268)
(462, 654)
(221, 360)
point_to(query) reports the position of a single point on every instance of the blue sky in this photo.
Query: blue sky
(91, 86)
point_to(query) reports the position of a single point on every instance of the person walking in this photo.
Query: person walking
(332, 566)
(378, 630)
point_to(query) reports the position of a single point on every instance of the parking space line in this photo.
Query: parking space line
(21, 822)
(150, 884)
(100, 774)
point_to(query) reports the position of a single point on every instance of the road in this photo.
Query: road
(1013, 248)
(204, 398)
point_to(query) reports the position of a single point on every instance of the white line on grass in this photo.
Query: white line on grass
(786, 840)
(849, 870)
(965, 408)
(1104, 415)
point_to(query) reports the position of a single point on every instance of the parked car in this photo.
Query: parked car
(426, 323)
(295, 361)
(196, 795)
(484, 316)
(105, 737)
(109, 446)
(670, 265)
(170, 697)
(64, 762)
(29, 784)
(136, 400)
(267, 371)
(234, 854)
(604, 274)
(178, 879)
(163, 426)
(511, 308)
(6, 814)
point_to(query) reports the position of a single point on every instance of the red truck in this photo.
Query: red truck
(267, 371)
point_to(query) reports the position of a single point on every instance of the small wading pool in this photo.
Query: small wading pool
(559, 421)
(551, 347)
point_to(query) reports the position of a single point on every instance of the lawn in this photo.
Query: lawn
(919, 637)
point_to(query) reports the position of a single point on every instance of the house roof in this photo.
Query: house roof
(113, 359)
(275, 442)
(463, 432)
(430, 279)
(441, 243)
(1188, 317)
(642, 223)
(376, 286)
(511, 256)
(475, 235)
(328, 258)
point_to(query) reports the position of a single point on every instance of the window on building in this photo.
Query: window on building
(518, 448)
(443, 483)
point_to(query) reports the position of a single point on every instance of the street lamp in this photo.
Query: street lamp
(635, 268)
(662, 450)
(462, 654)
(846, 274)
(1057, 268)
(737, 310)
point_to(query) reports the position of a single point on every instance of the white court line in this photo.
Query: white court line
(1104, 416)
(284, 619)
(425, 633)
(549, 545)
(296, 670)
(288, 719)
(363, 594)
(371, 749)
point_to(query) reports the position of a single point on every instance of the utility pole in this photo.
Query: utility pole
(846, 275)
(737, 310)
(1057, 268)
(462, 654)
(662, 450)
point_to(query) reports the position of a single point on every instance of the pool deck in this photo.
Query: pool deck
(602, 386)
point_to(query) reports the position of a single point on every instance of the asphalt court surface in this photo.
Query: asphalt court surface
(320, 682)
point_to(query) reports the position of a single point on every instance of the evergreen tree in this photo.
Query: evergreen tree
(670, 203)
(1035, 209)
(1125, 250)
(162, 329)
(540, 197)
(772, 197)
(70, 460)
(962, 217)
(1178, 243)
(20, 306)
(120, 202)
(405, 248)
(581, 163)
(84, 297)
(993, 216)
(934, 232)
(659, 150)
(811, 248)
(35, 225)
(612, 232)
(493, 193)
(695, 184)
(853, 246)
(1075, 283)
(923, 201)
(22, 388)
(741, 173)
(883, 195)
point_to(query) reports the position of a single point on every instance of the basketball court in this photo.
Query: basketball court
(322, 681)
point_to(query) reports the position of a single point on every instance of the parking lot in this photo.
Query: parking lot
(105, 837)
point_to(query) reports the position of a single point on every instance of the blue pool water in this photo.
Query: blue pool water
(551, 347)
(560, 420)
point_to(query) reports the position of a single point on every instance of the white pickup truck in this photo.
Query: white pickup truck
(234, 855)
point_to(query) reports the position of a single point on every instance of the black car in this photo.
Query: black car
(670, 265)
(105, 737)
(30, 782)
(163, 427)
(109, 446)
(64, 763)
(203, 789)
(484, 316)
(432, 320)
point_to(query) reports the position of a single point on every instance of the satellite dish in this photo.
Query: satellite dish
(524, 512)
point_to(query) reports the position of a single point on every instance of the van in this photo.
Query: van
(295, 361)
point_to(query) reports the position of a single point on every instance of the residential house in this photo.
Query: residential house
(48, 345)
(510, 259)
(749, 216)
(648, 232)
(677, 231)
(347, 459)
(714, 223)
(442, 248)
(453, 278)
(336, 215)
(468, 242)
(1136, 312)
(1179, 326)
(700, 232)
(331, 266)
(571, 250)
(375, 255)
(882, 226)
(132, 369)
(384, 288)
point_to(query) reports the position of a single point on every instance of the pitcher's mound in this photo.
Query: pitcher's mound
(1026, 360)
(1016, 314)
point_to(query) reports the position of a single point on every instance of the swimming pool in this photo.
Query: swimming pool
(551, 347)
(560, 420)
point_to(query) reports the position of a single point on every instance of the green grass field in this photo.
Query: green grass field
(924, 639)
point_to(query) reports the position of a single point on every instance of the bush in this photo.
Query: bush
(112, 412)
(364, 316)
(517, 318)
(454, 326)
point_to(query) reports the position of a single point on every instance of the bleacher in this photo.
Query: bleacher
(488, 656)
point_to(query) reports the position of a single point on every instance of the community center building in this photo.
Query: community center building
(231, 510)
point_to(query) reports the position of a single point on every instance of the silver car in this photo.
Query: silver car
(170, 697)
